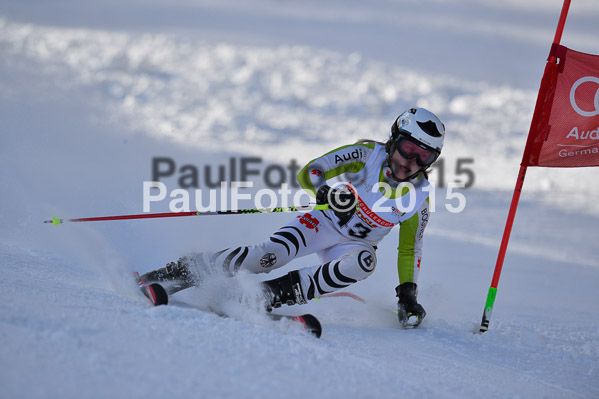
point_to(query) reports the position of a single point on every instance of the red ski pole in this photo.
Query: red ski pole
(57, 221)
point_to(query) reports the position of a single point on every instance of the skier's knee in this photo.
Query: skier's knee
(366, 260)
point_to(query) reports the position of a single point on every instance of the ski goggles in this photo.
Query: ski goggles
(410, 148)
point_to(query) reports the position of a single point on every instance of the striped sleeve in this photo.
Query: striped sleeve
(350, 158)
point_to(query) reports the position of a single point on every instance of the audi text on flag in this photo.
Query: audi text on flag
(565, 127)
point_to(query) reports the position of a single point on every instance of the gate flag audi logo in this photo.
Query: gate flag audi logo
(578, 110)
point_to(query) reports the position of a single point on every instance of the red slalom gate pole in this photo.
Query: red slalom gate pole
(484, 325)
(562, 21)
(57, 221)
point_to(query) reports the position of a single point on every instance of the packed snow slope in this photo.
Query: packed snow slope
(91, 93)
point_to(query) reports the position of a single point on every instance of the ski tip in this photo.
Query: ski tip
(161, 295)
(311, 324)
(156, 294)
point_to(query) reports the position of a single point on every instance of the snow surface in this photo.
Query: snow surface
(90, 93)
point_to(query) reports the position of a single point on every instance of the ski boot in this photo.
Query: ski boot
(174, 277)
(284, 290)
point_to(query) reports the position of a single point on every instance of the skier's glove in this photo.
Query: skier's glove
(409, 312)
(342, 201)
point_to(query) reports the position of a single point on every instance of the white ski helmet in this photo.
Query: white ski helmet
(420, 125)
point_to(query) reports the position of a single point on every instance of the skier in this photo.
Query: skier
(378, 185)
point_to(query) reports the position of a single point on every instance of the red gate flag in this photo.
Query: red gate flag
(565, 128)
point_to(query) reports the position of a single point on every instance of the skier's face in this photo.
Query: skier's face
(403, 168)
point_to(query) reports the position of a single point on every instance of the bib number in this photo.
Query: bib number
(359, 231)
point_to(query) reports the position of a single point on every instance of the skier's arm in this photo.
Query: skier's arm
(409, 253)
(409, 250)
(349, 158)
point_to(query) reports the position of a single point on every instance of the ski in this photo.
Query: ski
(157, 296)
(308, 322)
